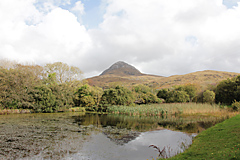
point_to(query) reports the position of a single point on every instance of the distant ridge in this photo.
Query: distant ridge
(121, 68)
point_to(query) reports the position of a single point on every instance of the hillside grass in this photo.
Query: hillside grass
(202, 78)
(219, 142)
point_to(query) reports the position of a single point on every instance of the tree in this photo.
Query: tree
(88, 96)
(190, 89)
(177, 96)
(117, 96)
(64, 72)
(44, 100)
(208, 97)
(163, 93)
(227, 91)
(15, 85)
(143, 95)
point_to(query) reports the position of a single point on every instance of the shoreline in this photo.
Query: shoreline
(221, 141)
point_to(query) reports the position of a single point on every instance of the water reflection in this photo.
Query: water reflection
(188, 124)
(101, 148)
(93, 136)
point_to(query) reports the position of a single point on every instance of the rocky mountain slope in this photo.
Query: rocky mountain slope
(121, 69)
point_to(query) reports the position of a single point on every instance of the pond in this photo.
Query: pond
(92, 136)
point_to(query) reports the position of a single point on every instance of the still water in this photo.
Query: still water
(87, 137)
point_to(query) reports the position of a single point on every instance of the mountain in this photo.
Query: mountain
(125, 74)
(121, 69)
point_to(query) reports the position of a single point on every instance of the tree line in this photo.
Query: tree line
(226, 92)
(58, 87)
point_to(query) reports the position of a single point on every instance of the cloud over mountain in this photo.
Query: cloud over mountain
(158, 37)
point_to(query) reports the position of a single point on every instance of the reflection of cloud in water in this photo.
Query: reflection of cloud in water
(101, 148)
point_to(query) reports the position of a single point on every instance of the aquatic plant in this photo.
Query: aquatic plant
(162, 153)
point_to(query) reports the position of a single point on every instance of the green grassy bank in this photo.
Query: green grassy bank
(219, 142)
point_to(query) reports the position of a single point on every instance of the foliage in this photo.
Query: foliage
(228, 90)
(44, 100)
(191, 90)
(143, 95)
(15, 84)
(28, 87)
(88, 96)
(64, 72)
(208, 96)
(163, 93)
(117, 96)
(177, 96)
(236, 105)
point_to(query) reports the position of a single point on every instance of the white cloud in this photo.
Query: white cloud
(158, 37)
(57, 36)
(152, 34)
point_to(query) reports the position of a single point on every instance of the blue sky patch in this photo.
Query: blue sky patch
(230, 3)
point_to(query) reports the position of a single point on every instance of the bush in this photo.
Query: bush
(117, 96)
(236, 105)
(177, 96)
(208, 97)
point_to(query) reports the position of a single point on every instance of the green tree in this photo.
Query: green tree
(163, 93)
(208, 96)
(143, 95)
(227, 91)
(88, 96)
(44, 100)
(191, 90)
(177, 96)
(117, 96)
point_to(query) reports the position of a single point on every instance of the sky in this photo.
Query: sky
(161, 37)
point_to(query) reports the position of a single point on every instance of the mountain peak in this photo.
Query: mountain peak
(121, 68)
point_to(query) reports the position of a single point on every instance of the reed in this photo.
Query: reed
(183, 109)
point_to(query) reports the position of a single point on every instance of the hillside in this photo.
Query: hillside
(128, 75)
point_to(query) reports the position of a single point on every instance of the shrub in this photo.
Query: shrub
(208, 97)
(236, 105)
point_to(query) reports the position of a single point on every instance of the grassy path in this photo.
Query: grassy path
(219, 142)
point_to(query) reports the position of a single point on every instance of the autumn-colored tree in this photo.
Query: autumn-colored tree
(15, 84)
(64, 72)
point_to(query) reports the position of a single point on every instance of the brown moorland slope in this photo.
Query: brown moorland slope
(129, 75)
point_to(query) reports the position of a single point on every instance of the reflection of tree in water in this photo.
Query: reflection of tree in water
(120, 121)
(119, 129)
(191, 124)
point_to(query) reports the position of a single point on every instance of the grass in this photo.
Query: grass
(12, 111)
(186, 109)
(77, 109)
(219, 142)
